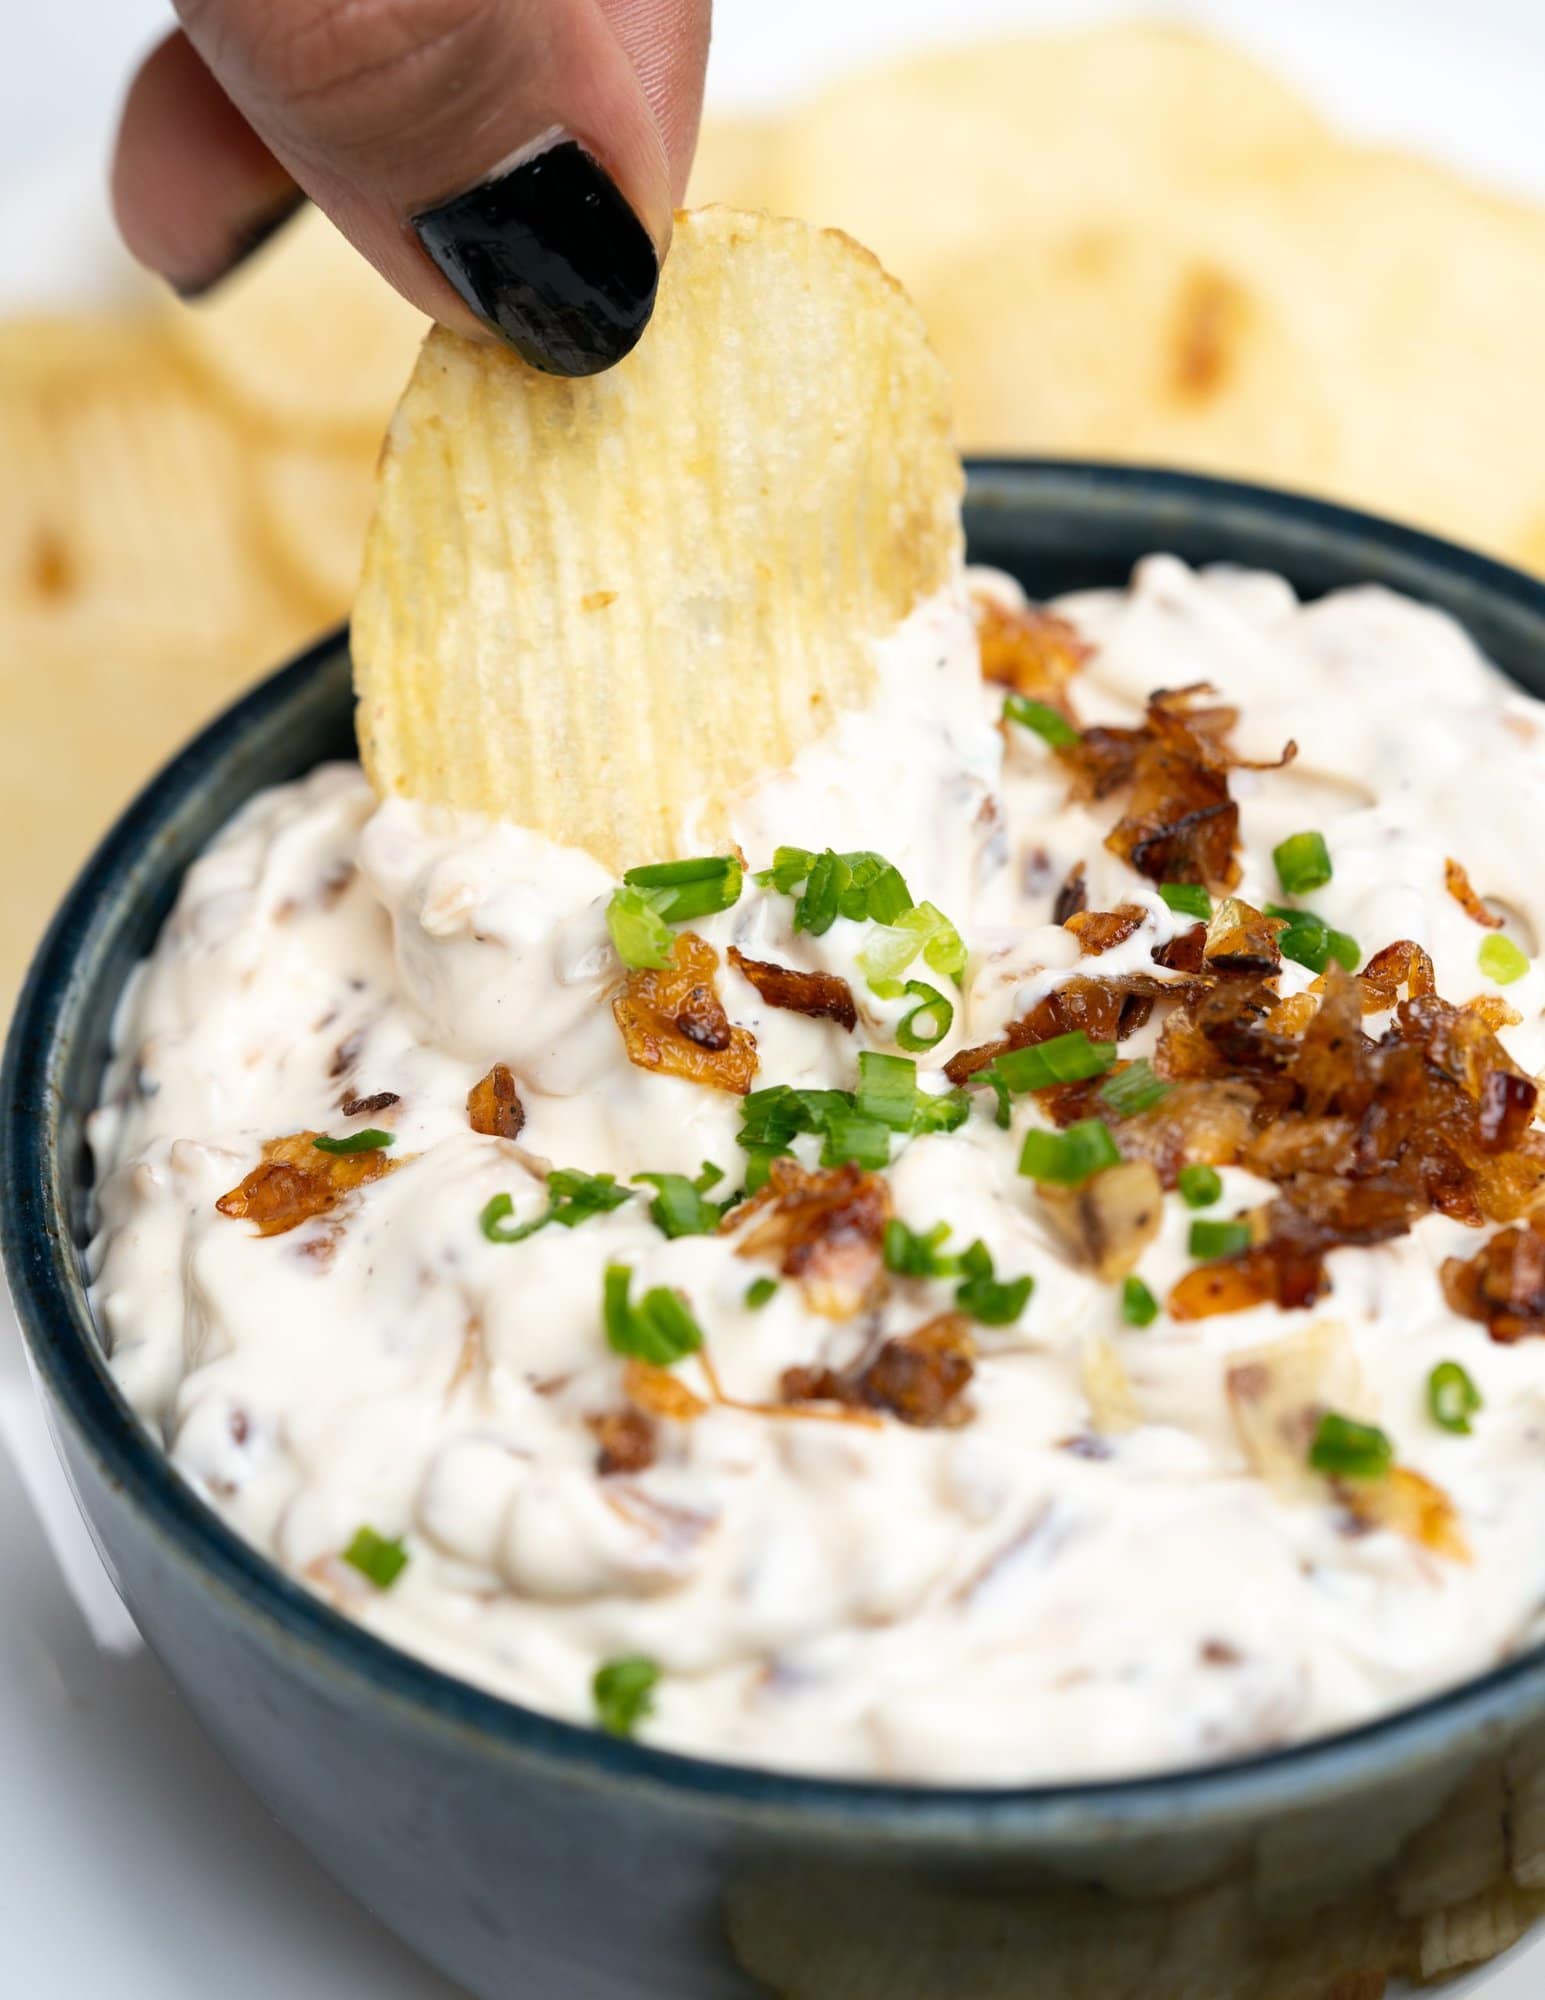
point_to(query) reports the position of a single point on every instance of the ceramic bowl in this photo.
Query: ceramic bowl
(528, 1857)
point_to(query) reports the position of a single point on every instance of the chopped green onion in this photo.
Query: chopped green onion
(1064, 1059)
(660, 1329)
(759, 1161)
(679, 1208)
(624, 1693)
(374, 1556)
(759, 1291)
(912, 1256)
(641, 936)
(936, 1013)
(864, 887)
(887, 1089)
(1452, 1397)
(850, 1136)
(371, 1140)
(572, 1198)
(1499, 958)
(1303, 863)
(1218, 1239)
(1344, 1449)
(945, 1111)
(1049, 723)
(990, 1300)
(682, 889)
(924, 929)
(1067, 1158)
(1187, 899)
(771, 1117)
(1134, 1089)
(1199, 1186)
(1003, 1116)
(1139, 1307)
(496, 1213)
(1308, 940)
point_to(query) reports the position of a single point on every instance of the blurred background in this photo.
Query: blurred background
(1304, 244)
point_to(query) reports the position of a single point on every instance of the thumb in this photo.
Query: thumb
(509, 163)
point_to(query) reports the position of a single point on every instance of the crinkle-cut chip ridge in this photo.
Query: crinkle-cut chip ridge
(588, 605)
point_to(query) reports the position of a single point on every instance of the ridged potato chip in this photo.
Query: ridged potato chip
(593, 605)
(305, 338)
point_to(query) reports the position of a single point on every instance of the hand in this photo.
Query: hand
(509, 164)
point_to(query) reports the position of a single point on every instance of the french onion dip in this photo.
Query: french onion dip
(1018, 1266)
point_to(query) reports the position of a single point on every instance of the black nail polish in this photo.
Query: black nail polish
(552, 258)
(244, 241)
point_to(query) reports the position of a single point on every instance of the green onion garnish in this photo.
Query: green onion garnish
(1218, 1239)
(572, 1198)
(912, 1256)
(934, 1012)
(759, 1291)
(1064, 1059)
(1139, 1307)
(374, 1556)
(660, 1329)
(1199, 1186)
(1003, 1116)
(1499, 958)
(624, 1693)
(1187, 899)
(943, 1112)
(887, 1089)
(1134, 1089)
(988, 1299)
(371, 1140)
(1309, 940)
(1345, 1449)
(1066, 1158)
(1452, 1397)
(1303, 863)
(1049, 723)
(759, 1161)
(679, 1208)
(924, 929)
(678, 890)
(864, 887)
(641, 936)
(495, 1217)
(851, 1136)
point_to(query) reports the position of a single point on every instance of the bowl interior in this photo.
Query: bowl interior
(1055, 526)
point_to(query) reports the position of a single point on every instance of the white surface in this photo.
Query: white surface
(134, 1863)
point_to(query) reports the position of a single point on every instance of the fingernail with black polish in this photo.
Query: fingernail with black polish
(243, 243)
(551, 257)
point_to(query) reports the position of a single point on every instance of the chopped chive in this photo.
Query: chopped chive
(1049, 723)
(934, 1012)
(944, 1112)
(1345, 1449)
(660, 1329)
(1500, 959)
(759, 1291)
(624, 1693)
(1064, 1059)
(1187, 899)
(1308, 940)
(923, 929)
(887, 1089)
(1303, 863)
(1134, 1089)
(1064, 1159)
(1139, 1307)
(678, 890)
(1218, 1239)
(1452, 1397)
(910, 1255)
(574, 1197)
(990, 1300)
(1199, 1186)
(759, 1161)
(371, 1140)
(864, 887)
(375, 1557)
(1003, 1116)
(679, 1207)
(642, 938)
(851, 1136)
(495, 1216)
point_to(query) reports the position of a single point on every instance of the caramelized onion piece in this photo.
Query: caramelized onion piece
(1102, 930)
(1409, 1504)
(1072, 897)
(1457, 883)
(1108, 1010)
(919, 1377)
(296, 1182)
(1240, 939)
(659, 1392)
(672, 1021)
(820, 995)
(822, 1226)
(1032, 651)
(1503, 1284)
(493, 1105)
(368, 1107)
(1106, 1224)
(1400, 964)
(625, 1441)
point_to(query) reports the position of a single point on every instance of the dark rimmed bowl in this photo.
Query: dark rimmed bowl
(527, 1857)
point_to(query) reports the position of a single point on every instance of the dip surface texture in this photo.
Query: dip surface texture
(1041, 1545)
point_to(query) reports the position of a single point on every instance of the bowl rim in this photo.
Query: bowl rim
(43, 1264)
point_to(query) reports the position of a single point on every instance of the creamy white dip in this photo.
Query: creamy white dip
(1011, 1599)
